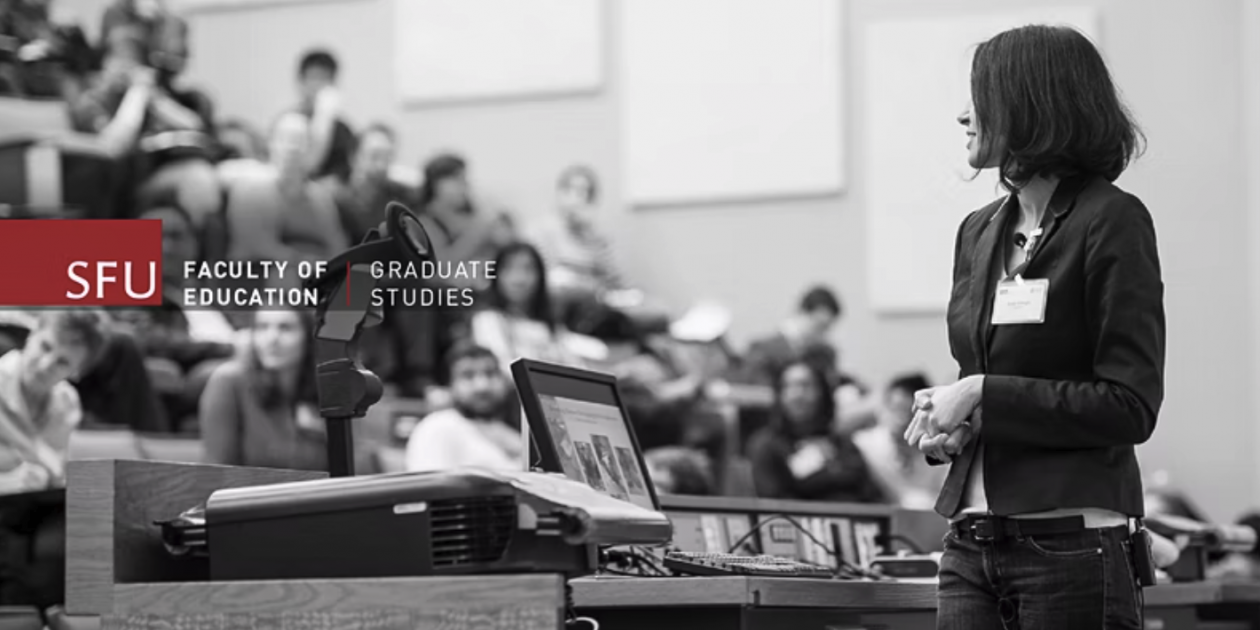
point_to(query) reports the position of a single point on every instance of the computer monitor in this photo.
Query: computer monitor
(578, 423)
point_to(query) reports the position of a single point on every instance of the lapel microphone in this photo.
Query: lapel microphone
(1020, 239)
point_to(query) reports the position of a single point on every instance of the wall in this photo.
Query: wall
(1251, 137)
(1185, 91)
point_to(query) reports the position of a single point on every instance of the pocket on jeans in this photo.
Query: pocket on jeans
(1082, 545)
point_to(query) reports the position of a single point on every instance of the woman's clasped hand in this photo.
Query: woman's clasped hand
(946, 418)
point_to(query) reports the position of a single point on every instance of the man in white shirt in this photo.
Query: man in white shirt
(39, 408)
(479, 430)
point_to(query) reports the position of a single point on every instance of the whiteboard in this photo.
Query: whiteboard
(917, 82)
(731, 100)
(461, 50)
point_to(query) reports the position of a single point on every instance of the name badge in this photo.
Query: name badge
(1020, 301)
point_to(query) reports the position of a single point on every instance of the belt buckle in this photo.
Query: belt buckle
(984, 530)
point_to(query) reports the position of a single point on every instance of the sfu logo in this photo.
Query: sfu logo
(80, 262)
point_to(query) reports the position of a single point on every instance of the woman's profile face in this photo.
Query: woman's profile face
(518, 279)
(800, 396)
(978, 155)
(279, 339)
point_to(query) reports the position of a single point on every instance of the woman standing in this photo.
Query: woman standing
(1057, 323)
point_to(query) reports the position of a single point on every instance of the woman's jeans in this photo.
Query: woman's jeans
(1077, 581)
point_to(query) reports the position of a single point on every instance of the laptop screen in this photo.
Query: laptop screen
(591, 435)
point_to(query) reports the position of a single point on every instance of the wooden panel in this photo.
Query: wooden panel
(804, 593)
(1162, 595)
(509, 602)
(111, 506)
(772, 506)
(625, 592)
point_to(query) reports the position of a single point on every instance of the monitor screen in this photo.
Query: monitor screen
(591, 435)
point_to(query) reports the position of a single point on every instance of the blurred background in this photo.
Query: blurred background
(741, 154)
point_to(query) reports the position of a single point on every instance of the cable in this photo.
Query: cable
(571, 619)
(631, 558)
(845, 569)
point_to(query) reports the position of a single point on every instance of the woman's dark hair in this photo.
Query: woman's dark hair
(581, 171)
(823, 414)
(437, 169)
(269, 385)
(539, 307)
(1046, 91)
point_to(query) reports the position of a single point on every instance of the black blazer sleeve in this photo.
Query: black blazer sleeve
(1124, 298)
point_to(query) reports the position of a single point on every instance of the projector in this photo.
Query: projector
(458, 522)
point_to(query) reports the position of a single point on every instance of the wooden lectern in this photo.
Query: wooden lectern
(118, 570)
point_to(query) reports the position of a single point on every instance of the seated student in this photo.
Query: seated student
(481, 429)
(517, 319)
(39, 408)
(162, 135)
(578, 253)
(283, 215)
(362, 197)
(901, 469)
(1240, 567)
(803, 337)
(461, 231)
(188, 343)
(331, 139)
(668, 404)
(798, 456)
(261, 409)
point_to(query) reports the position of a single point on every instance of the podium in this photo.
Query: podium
(119, 574)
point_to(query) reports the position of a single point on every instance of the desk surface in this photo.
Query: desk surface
(619, 592)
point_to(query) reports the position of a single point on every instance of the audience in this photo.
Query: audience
(331, 139)
(261, 409)
(900, 469)
(481, 429)
(285, 215)
(798, 456)
(516, 318)
(38, 407)
(161, 135)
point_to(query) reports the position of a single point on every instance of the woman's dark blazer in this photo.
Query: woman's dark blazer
(1064, 401)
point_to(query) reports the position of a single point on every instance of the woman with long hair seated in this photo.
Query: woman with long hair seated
(517, 319)
(261, 409)
(798, 456)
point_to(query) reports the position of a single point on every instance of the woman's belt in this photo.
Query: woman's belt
(986, 528)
